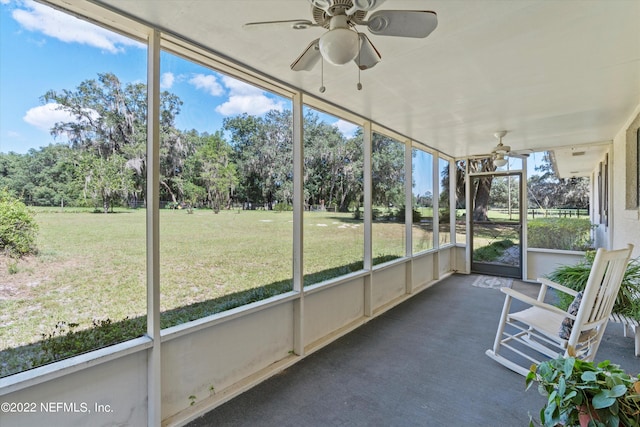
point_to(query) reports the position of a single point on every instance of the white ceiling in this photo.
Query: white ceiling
(552, 73)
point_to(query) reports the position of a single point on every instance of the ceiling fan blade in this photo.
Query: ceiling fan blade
(365, 5)
(308, 58)
(403, 23)
(296, 24)
(322, 4)
(369, 55)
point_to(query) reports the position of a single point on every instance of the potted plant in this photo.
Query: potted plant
(584, 394)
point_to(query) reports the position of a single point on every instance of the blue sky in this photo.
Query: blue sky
(42, 49)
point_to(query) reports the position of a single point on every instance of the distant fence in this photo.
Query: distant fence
(557, 213)
(548, 213)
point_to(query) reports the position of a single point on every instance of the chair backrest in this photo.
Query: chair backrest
(605, 278)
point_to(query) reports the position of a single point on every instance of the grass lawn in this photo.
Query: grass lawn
(93, 266)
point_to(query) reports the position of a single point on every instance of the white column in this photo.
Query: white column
(298, 211)
(368, 215)
(153, 230)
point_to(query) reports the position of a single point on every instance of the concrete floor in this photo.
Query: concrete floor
(420, 364)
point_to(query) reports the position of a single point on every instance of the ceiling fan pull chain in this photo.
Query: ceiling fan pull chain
(322, 88)
(359, 85)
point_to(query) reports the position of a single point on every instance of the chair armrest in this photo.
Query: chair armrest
(534, 302)
(557, 286)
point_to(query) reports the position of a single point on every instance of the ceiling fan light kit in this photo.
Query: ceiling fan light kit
(500, 160)
(342, 43)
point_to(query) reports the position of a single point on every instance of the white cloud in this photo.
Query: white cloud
(44, 117)
(244, 98)
(347, 129)
(166, 80)
(238, 87)
(208, 83)
(53, 23)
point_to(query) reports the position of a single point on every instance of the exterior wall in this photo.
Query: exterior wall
(541, 262)
(223, 354)
(445, 260)
(625, 223)
(107, 394)
(388, 283)
(328, 309)
(422, 270)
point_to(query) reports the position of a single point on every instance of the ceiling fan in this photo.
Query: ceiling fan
(500, 153)
(343, 43)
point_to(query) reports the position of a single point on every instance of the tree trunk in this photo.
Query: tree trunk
(481, 201)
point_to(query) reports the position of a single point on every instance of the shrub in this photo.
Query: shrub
(18, 227)
(283, 207)
(571, 234)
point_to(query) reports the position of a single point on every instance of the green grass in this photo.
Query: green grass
(492, 251)
(91, 269)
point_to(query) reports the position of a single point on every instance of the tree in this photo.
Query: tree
(481, 192)
(44, 177)
(546, 190)
(388, 178)
(263, 153)
(107, 181)
(109, 119)
(213, 172)
(332, 165)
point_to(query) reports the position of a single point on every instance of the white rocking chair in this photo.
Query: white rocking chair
(526, 335)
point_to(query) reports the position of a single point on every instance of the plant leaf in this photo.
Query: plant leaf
(602, 400)
(569, 362)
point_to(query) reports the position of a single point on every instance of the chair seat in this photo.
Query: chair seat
(548, 323)
(542, 320)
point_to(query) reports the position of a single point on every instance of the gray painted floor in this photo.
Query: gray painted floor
(419, 364)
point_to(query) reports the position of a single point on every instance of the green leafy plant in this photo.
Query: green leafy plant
(576, 276)
(12, 268)
(66, 340)
(602, 393)
(18, 227)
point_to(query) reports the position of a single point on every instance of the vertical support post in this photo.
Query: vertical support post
(452, 213)
(298, 211)
(154, 374)
(368, 216)
(436, 201)
(408, 214)
(435, 176)
(453, 170)
(524, 220)
(468, 213)
(408, 198)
